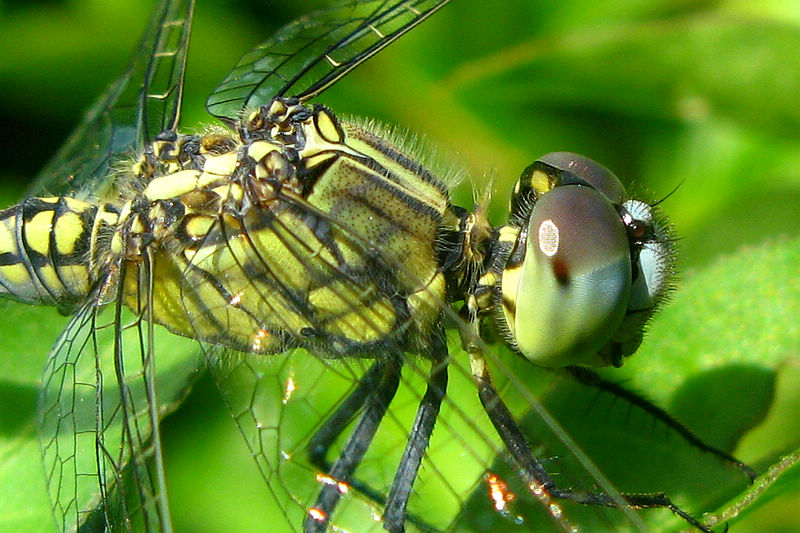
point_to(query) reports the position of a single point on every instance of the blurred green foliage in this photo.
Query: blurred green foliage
(695, 95)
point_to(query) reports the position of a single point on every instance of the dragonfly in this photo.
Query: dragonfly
(307, 253)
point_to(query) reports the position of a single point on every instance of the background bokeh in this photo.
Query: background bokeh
(695, 95)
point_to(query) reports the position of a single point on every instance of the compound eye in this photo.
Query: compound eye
(588, 171)
(568, 295)
(654, 259)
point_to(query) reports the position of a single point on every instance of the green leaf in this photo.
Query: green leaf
(732, 330)
(28, 334)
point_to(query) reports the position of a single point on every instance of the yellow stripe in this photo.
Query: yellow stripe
(8, 235)
(541, 182)
(198, 226)
(37, 232)
(259, 149)
(221, 165)
(410, 183)
(326, 125)
(47, 274)
(108, 217)
(116, 244)
(75, 205)
(318, 159)
(17, 276)
(67, 231)
(508, 234)
(172, 185)
(229, 191)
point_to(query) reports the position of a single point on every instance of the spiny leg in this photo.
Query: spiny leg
(387, 374)
(394, 516)
(533, 473)
(592, 379)
(332, 427)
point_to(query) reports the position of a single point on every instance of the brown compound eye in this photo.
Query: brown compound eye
(588, 172)
(573, 286)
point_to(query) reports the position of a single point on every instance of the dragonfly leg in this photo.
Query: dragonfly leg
(592, 379)
(387, 378)
(394, 516)
(533, 473)
(332, 427)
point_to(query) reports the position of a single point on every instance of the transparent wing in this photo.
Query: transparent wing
(144, 101)
(98, 408)
(311, 54)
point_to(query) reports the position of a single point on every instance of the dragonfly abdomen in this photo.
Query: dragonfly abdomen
(48, 250)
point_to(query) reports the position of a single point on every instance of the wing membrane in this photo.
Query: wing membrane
(145, 100)
(311, 54)
(97, 412)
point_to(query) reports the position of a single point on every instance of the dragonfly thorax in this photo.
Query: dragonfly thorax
(252, 240)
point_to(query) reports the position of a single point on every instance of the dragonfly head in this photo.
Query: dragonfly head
(587, 268)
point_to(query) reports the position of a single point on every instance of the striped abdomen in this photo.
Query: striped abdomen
(48, 250)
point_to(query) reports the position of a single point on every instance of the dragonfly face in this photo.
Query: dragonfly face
(299, 232)
(575, 232)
